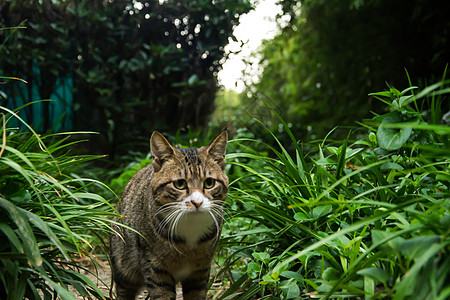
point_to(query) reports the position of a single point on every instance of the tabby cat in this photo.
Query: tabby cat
(174, 214)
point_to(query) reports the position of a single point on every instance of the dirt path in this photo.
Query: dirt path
(104, 273)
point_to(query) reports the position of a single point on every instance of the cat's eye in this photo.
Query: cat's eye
(180, 184)
(209, 183)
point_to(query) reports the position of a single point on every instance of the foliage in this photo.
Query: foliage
(48, 218)
(118, 184)
(368, 216)
(330, 54)
(228, 106)
(136, 65)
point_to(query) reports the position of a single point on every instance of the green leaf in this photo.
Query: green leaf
(290, 290)
(26, 233)
(262, 256)
(387, 94)
(253, 269)
(393, 244)
(391, 166)
(193, 80)
(405, 287)
(291, 275)
(275, 276)
(62, 292)
(321, 211)
(12, 237)
(82, 283)
(375, 273)
(37, 221)
(341, 158)
(415, 247)
(269, 279)
(253, 266)
(331, 274)
(20, 196)
(301, 216)
(402, 100)
(325, 287)
(392, 138)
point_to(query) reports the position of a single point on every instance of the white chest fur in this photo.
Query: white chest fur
(192, 226)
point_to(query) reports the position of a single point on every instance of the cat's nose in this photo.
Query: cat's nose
(197, 202)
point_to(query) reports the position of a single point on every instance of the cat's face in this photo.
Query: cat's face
(192, 180)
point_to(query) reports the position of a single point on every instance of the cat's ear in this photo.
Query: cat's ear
(218, 148)
(161, 150)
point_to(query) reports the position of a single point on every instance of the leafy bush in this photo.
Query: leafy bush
(118, 184)
(368, 216)
(133, 65)
(330, 54)
(48, 218)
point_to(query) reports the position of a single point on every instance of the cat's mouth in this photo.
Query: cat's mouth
(192, 209)
(196, 212)
(197, 203)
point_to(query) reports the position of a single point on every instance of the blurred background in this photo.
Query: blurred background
(338, 164)
(124, 68)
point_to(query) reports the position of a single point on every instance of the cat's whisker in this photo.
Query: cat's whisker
(217, 209)
(221, 213)
(226, 219)
(167, 220)
(217, 206)
(165, 210)
(168, 216)
(173, 228)
(171, 218)
(166, 207)
(216, 212)
(217, 228)
(172, 212)
(217, 201)
(220, 202)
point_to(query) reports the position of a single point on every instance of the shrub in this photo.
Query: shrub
(118, 60)
(48, 218)
(368, 216)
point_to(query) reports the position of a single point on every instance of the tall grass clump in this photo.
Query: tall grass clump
(364, 217)
(48, 218)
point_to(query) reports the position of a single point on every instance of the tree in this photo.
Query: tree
(136, 65)
(331, 54)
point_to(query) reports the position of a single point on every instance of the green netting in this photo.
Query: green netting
(32, 106)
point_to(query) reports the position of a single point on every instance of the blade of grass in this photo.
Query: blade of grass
(26, 233)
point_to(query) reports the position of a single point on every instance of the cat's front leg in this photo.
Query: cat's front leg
(160, 290)
(195, 287)
(159, 282)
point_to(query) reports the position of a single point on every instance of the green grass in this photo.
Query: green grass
(364, 217)
(48, 217)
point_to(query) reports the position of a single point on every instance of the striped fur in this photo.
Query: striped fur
(174, 208)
